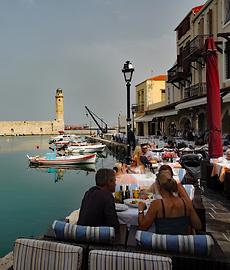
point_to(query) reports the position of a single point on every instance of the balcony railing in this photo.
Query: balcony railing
(195, 90)
(140, 108)
(176, 74)
(195, 48)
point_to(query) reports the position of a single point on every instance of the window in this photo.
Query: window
(210, 22)
(226, 11)
(227, 59)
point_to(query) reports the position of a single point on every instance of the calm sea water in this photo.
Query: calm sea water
(31, 198)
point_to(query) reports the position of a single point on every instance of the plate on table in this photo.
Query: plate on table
(133, 202)
(121, 207)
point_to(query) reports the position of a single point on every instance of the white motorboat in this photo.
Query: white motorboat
(52, 159)
(89, 148)
(66, 138)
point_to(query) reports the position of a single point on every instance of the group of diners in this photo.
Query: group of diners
(141, 159)
(171, 213)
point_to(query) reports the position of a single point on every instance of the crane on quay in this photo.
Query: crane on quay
(103, 128)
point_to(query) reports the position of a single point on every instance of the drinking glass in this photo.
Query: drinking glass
(136, 193)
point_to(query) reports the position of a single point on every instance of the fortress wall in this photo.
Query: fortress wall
(30, 127)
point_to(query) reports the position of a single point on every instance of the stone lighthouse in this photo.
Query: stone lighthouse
(59, 105)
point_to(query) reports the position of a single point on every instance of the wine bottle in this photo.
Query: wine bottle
(127, 193)
(121, 195)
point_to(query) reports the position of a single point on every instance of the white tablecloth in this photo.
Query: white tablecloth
(129, 217)
(143, 180)
(146, 180)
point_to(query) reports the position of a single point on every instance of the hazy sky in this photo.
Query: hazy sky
(81, 46)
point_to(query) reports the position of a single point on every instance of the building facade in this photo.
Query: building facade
(150, 95)
(18, 128)
(185, 106)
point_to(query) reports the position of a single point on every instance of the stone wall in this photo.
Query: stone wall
(14, 128)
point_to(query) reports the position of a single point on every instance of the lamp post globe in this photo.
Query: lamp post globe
(128, 73)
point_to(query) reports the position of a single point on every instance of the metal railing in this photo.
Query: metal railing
(195, 48)
(175, 74)
(195, 90)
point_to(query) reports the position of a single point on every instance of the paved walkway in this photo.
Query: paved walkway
(218, 218)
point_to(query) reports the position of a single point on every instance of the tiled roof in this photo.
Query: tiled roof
(197, 9)
(159, 78)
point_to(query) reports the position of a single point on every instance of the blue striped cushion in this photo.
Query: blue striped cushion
(181, 244)
(114, 260)
(79, 233)
(31, 254)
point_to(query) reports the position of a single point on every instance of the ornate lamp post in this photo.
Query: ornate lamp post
(128, 73)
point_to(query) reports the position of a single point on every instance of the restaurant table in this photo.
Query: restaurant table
(146, 179)
(220, 169)
(130, 216)
(141, 180)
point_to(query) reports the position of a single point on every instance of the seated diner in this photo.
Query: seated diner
(136, 165)
(154, 188)
(171, 214)
(98, 206)
(225, 159)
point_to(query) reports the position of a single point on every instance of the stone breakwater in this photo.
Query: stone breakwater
(6, 262)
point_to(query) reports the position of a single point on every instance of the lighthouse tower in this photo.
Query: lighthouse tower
(59, 105)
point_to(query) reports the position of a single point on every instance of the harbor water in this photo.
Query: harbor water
(32, 198)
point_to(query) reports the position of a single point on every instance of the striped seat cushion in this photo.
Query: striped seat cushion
(79, 233)
(181, 244)
(113, 260)
(31, 254)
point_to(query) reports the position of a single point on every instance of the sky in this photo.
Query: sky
(80, 46)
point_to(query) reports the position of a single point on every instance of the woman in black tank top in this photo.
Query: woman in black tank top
(171, 214)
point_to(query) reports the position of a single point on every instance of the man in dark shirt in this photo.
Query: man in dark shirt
(98, 207)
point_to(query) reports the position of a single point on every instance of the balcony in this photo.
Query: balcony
(139, 108)
(195, 48)
(176, 74)
(195, 90)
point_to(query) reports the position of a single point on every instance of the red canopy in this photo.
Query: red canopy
(213, 100)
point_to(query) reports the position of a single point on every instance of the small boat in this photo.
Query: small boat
(65, 137)
(53, 159)
(90, 148)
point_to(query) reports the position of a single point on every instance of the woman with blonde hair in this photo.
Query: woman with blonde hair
(171, 214)
(136, 165)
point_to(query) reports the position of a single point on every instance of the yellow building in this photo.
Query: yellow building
(150, 95)
(18, 128)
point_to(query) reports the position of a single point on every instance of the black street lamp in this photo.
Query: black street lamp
(128, 73)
